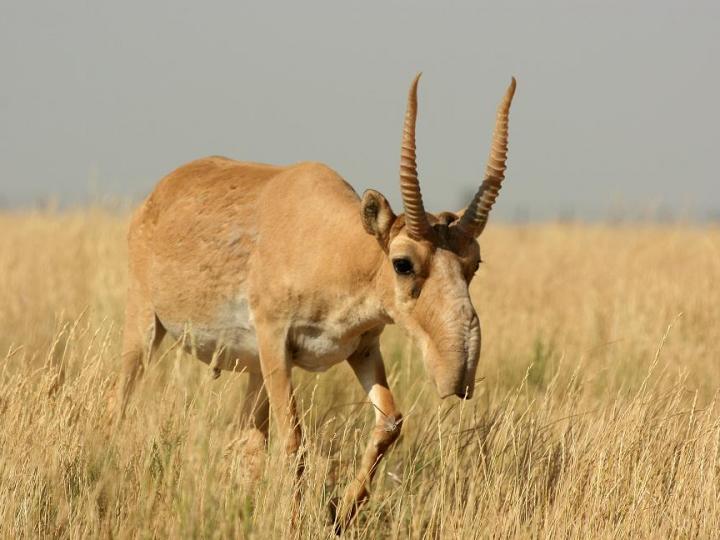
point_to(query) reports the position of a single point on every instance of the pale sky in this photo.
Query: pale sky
(616, 109)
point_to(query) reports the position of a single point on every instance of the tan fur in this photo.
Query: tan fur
(261, 268)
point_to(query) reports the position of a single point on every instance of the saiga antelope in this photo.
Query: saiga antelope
(273, 267)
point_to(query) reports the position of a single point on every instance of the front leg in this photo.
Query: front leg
(275, 366)
(367, 363)
(255, 412)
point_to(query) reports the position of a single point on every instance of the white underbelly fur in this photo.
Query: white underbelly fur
(230, 341)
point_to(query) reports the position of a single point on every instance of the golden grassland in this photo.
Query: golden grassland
(598, 414)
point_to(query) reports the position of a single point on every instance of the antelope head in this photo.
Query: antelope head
(431, 259)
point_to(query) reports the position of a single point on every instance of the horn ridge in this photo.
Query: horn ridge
(476, 214)
(415, 218)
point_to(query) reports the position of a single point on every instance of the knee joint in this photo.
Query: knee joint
(388, 430)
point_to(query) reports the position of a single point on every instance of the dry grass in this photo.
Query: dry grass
(598, 415)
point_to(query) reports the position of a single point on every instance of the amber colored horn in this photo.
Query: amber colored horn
(475, 217)
(416, 221)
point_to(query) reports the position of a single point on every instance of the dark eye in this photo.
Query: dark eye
(403, 266)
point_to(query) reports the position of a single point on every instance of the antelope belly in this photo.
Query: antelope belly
(229, 339)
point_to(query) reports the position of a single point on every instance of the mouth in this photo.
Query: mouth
(464, 395)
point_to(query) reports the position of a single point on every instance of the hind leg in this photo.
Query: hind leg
(141, 336)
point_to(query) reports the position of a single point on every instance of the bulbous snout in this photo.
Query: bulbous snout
(455, 366)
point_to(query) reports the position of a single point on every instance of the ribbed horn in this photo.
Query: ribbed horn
(416, 221)
(476, 214)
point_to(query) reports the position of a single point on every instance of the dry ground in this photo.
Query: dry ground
(598, 415)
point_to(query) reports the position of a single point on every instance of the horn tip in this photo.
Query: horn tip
(414, 85)
(509, 94)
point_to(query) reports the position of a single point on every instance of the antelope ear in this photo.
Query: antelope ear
(377, 216)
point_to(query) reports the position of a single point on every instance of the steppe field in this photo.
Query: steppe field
(597, 415)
